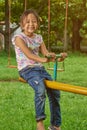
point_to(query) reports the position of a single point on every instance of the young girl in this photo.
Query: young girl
(28, 44)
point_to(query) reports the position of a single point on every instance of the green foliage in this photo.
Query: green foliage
(16, 11)
(76, 11)
(2, 9)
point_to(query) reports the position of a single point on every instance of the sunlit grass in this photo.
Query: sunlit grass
(17, 99)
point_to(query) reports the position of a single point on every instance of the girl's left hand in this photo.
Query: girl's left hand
(51, 56)
(63, 56)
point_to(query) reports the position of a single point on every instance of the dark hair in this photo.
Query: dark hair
(29, 11)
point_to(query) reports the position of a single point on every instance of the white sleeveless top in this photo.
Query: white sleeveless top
(33, 44)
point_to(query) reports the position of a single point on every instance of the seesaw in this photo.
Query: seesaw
(62, 86)
(66, 87)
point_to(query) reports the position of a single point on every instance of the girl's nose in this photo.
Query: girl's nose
(31, 23)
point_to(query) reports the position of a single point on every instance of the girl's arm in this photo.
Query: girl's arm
(20, 43)
(45, 52)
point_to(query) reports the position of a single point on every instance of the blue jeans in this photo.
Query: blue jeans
(35, 77)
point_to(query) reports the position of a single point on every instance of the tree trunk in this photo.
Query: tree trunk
(25, 4)
(76, 38)
(7, 23)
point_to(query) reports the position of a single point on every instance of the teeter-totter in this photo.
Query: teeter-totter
(61, 86)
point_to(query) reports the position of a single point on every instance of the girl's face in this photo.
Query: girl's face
(30, 24)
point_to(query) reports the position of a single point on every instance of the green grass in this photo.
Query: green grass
(16, 98)
(16, 105)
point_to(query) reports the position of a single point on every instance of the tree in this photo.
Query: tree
(7, 24)
(13, 10)
(76, 18)
(77, 15)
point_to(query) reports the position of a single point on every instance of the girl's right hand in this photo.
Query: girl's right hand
(45, 60)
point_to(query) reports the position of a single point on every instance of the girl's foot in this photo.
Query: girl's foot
(53, 128)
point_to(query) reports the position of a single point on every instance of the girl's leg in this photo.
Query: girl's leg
(54, 98)
(40, 125)
(33, 77)
(40, 98)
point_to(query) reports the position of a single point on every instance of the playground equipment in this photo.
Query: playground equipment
(66, 87)
(61, 86)
(55, 65)
(53, 84)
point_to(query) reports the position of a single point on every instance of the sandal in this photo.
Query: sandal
(51, 128)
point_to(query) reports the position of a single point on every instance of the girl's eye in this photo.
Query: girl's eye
(27, 22)
(33, 21)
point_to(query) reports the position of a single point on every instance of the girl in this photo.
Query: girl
(27, 45)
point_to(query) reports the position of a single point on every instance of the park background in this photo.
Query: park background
(64, 28)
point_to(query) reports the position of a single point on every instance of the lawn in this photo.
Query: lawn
(16, 98)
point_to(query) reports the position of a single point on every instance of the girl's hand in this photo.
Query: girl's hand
(48, 59)
(51, 56)
(63, 56)
(45, 60)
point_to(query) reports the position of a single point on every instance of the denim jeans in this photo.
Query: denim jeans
(35, 77)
